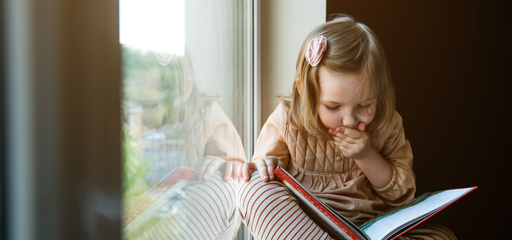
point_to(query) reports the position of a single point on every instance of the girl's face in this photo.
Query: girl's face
(340, 102)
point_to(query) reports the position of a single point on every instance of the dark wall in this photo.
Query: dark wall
(451, 63)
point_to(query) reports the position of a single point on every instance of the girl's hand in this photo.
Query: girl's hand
(353, 143)
(231, 169)
(264, 165)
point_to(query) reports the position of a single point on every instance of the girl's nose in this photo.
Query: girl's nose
(349, 121)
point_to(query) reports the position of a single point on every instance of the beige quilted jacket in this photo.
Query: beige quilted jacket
(335, 179)
(216, 137)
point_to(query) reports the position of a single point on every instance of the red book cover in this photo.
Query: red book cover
(333, 223)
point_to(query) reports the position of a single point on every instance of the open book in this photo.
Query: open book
(148, 209)
(388, 225)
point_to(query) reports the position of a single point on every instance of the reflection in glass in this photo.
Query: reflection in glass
(169, 123)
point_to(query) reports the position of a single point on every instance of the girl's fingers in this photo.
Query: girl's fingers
(247, 169)
(263, 169)
(211, 168)
(333, 131)
(236, 171)
(344, 148)
(228, 170)
(349, 132)
(340, 137)
(337, 138)
(206, 162)
(343, 144)
(361, 126)
(353, 133)
(349, 140)
(271, 166)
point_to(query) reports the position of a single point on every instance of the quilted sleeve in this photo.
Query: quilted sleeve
(224, 141)
(397, 150)
(270, 140)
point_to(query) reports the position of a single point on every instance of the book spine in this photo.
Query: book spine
(284, 177)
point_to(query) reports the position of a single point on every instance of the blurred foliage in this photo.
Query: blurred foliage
(154, 81)
(135, 170)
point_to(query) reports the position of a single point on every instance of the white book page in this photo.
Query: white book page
(383, 226)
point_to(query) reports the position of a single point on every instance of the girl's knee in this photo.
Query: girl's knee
(255, 193)
(429, 231)
(246, 189)
(215, 190)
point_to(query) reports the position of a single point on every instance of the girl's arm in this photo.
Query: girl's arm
(224, 149)
(397, 150)
(271, 149)
(378, 171)
(388, 166)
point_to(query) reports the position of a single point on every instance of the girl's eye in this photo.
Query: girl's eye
(365, 105)
(331, 107)
(365, 108)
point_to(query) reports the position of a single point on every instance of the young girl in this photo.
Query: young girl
(339, 136)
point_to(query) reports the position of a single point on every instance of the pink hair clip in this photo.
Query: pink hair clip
(316, 48)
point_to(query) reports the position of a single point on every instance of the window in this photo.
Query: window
(61, 103)
(186, 69)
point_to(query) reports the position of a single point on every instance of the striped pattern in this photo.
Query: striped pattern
(270, 212)
(207, 210)
(427, 231)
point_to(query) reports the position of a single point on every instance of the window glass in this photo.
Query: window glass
(183, 115)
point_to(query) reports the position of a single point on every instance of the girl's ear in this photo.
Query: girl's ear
(298, 83)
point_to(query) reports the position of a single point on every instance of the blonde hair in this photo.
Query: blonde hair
(352, 47)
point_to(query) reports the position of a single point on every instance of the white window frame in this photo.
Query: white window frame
(252, 82)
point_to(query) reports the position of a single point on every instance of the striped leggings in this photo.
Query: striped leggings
(270, 212)
(207, 210)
